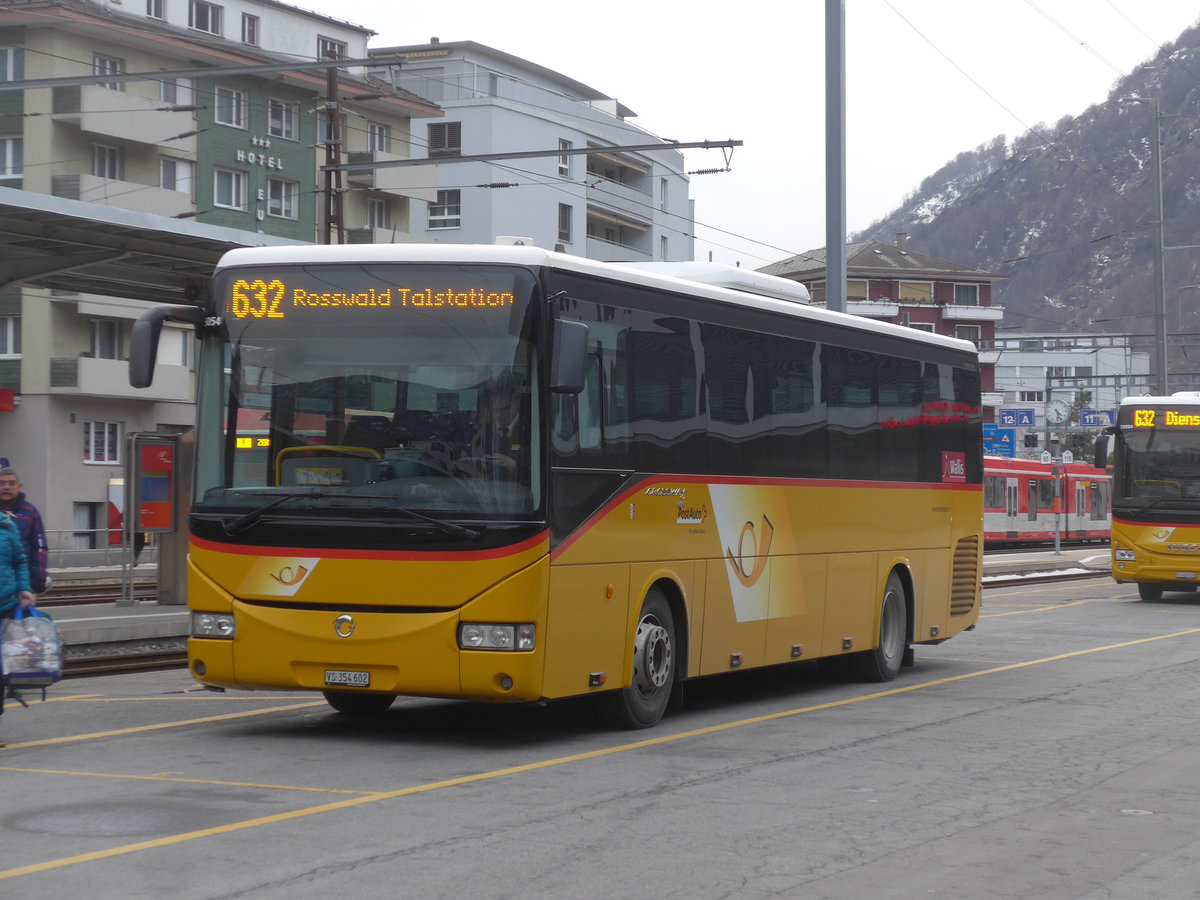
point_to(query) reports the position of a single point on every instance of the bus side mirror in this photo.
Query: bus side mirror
(569, 356)
(1100, 457)
(143, 339)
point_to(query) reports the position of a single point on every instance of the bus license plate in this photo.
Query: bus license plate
(1185, 576)
(342, 678)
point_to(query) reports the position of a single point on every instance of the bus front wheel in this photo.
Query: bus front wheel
(883, 663)
(351, 704)
(1150, 592)
(643, 703)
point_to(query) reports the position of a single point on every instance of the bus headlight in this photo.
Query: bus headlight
(496, 636)
(1124, 555)
(212, 625)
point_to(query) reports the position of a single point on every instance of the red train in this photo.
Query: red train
(1019, 501)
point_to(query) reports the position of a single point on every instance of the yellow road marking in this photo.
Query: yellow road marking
(179, 780)
(545, 764)
(72, 738)
(1021, 612)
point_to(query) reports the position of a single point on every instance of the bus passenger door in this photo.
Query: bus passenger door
(1081, 507)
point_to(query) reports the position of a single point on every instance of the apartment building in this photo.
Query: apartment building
(240, 148)
(607, 204)
(893, 283)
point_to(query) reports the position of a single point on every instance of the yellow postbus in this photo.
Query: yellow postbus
(1154, 450)
(511, 475)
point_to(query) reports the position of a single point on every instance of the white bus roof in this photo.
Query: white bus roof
(1181, 398)
(535, 257)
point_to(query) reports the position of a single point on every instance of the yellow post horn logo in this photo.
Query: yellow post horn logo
(287, 576)
(757, 552)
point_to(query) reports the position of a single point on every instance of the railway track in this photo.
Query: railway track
(124, 663)
(79, 594)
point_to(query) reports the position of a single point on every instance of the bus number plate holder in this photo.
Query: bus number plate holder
(343, 678)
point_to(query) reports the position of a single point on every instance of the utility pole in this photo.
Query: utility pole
(332, 198)
(835, 155)
(1160, 299)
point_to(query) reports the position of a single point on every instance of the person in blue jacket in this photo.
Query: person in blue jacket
(17, 508)
(14, 583)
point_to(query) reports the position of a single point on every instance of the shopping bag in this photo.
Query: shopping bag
(31, 650)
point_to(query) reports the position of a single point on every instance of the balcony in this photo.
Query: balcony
(619, 197)
(383, 236)
(88, 377)
(122, 194)
(873, 309)
(956, 313)
(417, 182)
(123, 115)
(611, 251)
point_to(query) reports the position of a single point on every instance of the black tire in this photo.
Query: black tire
(643, 703)
(883, 663)
(1150, 592)
(349, 703)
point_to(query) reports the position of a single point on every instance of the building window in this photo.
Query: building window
(328, 48)
(12, 64)
(177, 175)
(154, 9)
(229, 188)
(205, 16)
(250, 29)
(662, 194)
(102, 442)
(106, 339)
(10, 336)
(662, 248)
(564, 223)
(379, 137)
(1030, 396)
(445, 139)
(447, 212)
(564, 160)
(12, 157)
(176, 91)
(231, 107)
(108, 162)
(379, 215)
(281, 198)
(916, 292)
(283, 119)
(972, 333)
(108, 65)
(922, 326)
(966, 294)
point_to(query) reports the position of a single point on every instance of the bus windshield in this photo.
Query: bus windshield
(350, 389)
(1158, 466)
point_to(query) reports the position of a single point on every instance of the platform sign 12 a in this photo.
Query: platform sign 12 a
(1017, 418)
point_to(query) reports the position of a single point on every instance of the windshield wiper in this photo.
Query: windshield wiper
(460, 531)
(242, 522)
(248, 520)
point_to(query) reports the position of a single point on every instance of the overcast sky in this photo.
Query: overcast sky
(927, 79)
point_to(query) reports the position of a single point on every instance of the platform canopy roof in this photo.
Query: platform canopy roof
(71, 245)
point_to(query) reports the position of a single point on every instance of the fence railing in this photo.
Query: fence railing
(88, 548)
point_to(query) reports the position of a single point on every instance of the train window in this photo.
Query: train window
(993, 492)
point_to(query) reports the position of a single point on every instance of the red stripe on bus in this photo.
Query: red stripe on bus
(327, 553)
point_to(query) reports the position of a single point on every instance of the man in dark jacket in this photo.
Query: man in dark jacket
(28, 520)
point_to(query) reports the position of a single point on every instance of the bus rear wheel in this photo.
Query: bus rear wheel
(643, 703)
(1150, 592)
(351, 704)
(883, 663)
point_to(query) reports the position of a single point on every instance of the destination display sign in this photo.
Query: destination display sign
(1165, 417)
(278, 299)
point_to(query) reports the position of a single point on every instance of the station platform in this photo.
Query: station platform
(147, 623)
